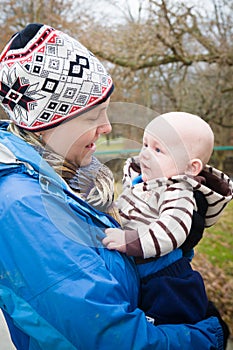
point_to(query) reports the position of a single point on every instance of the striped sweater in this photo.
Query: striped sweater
(157, 215)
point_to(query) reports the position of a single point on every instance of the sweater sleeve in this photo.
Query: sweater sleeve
(170, 229)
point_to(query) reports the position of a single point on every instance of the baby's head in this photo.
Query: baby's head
(175, 143)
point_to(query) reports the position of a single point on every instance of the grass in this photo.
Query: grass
(116, 144)
(217, 242)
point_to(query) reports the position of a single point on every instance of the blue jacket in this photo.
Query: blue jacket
(59, 288)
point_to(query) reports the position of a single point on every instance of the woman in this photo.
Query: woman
(60, 289)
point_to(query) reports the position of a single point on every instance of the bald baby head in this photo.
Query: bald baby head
(188, 139)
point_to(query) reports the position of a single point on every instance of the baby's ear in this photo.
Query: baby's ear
(194, 167)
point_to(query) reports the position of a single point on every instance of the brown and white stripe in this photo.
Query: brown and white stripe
(157, 215)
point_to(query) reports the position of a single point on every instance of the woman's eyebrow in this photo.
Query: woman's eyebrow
(103, 108)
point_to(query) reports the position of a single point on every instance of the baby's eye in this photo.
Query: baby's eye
(157, 149)
(145, 144)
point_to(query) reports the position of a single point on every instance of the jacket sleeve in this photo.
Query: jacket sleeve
(64, 292)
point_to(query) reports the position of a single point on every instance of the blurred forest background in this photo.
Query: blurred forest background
(163, 55)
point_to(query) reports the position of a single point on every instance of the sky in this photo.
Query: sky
(110, 14)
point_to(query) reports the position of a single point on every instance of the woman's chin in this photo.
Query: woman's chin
(86, 161)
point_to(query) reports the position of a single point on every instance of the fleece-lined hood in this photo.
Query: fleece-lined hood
(217, 188)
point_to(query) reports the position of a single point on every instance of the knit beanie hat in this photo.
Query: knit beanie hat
(47, 77)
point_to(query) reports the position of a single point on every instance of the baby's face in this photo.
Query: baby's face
(158, 159)
(175, 143)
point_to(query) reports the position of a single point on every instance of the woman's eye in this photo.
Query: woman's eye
(145, 145)
(93, 118)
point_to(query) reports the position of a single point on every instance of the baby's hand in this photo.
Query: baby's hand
(115, 239)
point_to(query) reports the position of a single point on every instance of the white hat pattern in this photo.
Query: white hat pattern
(54, 77)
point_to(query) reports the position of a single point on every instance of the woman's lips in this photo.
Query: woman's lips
(91, 146)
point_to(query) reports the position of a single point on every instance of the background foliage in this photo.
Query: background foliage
(163, 54)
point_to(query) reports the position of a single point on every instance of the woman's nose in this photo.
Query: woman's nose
(105, 128)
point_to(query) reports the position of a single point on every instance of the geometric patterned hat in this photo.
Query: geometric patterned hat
(46, 77)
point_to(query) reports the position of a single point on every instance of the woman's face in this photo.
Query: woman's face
(75, 139)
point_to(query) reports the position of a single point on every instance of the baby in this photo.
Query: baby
(156, 209)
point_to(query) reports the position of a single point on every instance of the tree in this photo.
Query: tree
(60, 14)
(176, 56)
(168, 55)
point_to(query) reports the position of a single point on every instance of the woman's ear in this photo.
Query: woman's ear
(194, 167)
